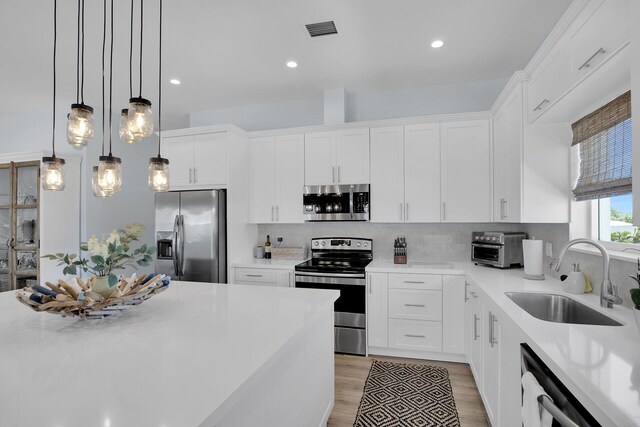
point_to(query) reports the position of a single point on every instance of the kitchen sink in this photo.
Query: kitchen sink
(431, 264)
(559, 309)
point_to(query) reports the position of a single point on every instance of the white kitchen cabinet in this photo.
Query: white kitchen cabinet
(377, 314)
(453, 314)
(387, 174)
(422, 173)
(415, 304)
(340, 157)
(405, 173)
(508, 128)
(417, 335)
(264, 276)
(491, 369)
(466, 177)
(600, 30)
(276, 174)
(549, 81)
(474, 332)
(197, 161)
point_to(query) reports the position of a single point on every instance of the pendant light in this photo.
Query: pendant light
(52, 168)
(158, 175)
(80, 119)
(109, 178)
(140, 115)
(125, 134)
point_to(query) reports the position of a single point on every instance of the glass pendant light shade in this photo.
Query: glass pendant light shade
(94, 185)
(125, 134)
(79, 125)
(52, 173)
(158, 176)
(140, 118)
(109, 174)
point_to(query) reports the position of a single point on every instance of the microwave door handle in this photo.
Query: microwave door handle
(351, 201)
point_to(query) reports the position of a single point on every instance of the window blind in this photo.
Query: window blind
(604, 137)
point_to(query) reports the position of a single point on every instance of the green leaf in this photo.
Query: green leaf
(97, 259)
(66, 259)
(65, 271)
(59, 254)
(112, 247)
(143, 263)
(152, 250)
(72, 270)
(143, 248)
(84, 247)
(72, 256)
(113, 279)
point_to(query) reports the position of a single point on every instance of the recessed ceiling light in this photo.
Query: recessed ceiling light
(437, 43)
(175, 81)
(292, 64)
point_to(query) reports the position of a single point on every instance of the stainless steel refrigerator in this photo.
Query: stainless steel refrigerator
(191, 233)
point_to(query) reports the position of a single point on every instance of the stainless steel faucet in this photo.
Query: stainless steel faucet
(608, 291)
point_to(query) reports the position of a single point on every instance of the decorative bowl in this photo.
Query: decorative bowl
(79, 299)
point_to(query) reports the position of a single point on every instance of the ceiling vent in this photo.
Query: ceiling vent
(321, 29)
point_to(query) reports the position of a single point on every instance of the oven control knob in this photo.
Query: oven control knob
(358, 245)
(323, 243)
(366, 244)
(315, 243)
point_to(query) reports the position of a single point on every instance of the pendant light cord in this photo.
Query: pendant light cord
(141, 31)
(78, 59)
(104, 42)
(111, 81)
(131, 55)
(55, 43)
(82, 53)
(160, 82)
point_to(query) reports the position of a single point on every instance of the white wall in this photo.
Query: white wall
(361, 106)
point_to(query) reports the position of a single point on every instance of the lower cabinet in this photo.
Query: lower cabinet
(415, 312)
(263, 276)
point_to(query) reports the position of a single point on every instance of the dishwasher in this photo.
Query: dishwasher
(565, 409)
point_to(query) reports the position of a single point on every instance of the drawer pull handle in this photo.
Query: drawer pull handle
(414, 305)
(254, 275)
(414, 336)
(414, 281)
(588, 61)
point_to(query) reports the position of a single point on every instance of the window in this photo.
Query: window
(603, 139)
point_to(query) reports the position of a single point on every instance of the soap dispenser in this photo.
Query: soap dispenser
(575, 283)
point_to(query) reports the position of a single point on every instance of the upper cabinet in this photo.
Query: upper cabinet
(276, 179)
(549, 81)
(405, 173)
(337, 157)
(466, 176)
(197, 161)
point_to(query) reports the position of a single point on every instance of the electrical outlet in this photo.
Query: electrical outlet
(549, 249)
(279, 239)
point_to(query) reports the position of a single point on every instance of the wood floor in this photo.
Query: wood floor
(352, 371)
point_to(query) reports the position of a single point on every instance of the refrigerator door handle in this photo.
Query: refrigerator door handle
(174, 252)
(181, 254)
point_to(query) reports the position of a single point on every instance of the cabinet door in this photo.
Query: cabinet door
(319, 158)
(491, 368)
(377, 315)
(548, 81)
(466, 171)
(599, 31)
(261, 184)
(289, 178)
(387, 174)
(179, 151)
(422, 173)
(283, 278)
(453, 314)
(508, 128)
(475, 335)
(210, 159)
(352, 156)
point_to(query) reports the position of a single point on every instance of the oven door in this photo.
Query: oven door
(487, 254)
(349, 308)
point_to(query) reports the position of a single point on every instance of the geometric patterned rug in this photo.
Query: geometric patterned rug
(398, 394)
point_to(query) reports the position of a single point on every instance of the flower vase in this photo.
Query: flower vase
(101, 286)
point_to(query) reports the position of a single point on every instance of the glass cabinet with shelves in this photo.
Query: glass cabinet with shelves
(19, 224)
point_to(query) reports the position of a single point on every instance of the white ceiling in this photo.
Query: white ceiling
(233, 52)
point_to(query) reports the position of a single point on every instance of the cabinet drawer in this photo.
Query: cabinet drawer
(255, 275)
(415, 335)
(415, 281)
(415, 304)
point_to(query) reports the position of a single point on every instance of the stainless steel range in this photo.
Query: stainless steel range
(339, 263)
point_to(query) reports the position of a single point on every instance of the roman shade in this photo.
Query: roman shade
(604, 137)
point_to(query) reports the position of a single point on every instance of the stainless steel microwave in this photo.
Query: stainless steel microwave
(336, 202)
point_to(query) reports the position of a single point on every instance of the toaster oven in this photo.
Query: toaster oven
(497, 249)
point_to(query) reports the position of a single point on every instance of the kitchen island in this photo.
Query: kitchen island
(197, 354)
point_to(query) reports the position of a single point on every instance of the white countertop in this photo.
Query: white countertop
(268, 263)
(172, 361)
(600, 365)
(415, 267)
